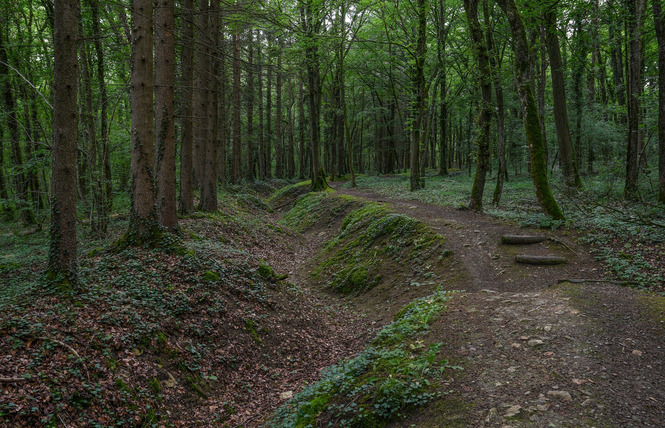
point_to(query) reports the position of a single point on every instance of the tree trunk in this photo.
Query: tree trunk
(482, 137)
(262, 147)
(634, 81)
(210, 161)
(143, 225)
(186, 155)
(165, 114)
(418, 82)
(659, 23)
(566, 153)
(202, 102)
(251, 164)
(301, 130)
(62, 263)
(104, 185)
(237, 105)
(530, 111)
(279, 140)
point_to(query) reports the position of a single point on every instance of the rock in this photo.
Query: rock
(563, 395)
(637, 352)
(286, 395)
(548, 328)
(513, 411)
(587, 402)
(542, 407)
(535, 342)
(492, 415)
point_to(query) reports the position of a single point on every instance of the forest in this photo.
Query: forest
(303, 213)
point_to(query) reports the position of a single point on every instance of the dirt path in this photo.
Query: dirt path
(536, 353)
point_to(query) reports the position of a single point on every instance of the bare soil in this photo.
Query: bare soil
(538, 346)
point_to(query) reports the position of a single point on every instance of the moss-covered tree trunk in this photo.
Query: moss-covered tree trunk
(534, 136)
(482, 138)
(62, 263)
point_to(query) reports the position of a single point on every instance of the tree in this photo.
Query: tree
(482, 136)
(659, 23)
(62, 263)
(187, 135)
(143, 225)
(524, 75)
(566, 153)
(165, 114)
(418, 130)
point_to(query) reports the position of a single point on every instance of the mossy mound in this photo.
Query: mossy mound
(374, 244)
(287, 195)
(320, 208)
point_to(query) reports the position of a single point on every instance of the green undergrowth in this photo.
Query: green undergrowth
(628, 237)
(375, 244)
(397, 373)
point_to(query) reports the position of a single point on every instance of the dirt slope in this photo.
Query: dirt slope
(535, 352)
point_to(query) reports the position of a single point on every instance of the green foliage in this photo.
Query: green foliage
(318, 207)
(384, 382)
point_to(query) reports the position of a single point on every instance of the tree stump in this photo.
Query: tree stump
(540, 260)
(522, 239)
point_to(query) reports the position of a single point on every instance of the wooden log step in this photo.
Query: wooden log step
(522, 239)
(540, 260)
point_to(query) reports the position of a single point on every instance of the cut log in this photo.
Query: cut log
(522, 239)
(540, 260)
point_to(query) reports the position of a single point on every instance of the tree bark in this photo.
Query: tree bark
(187, 93)
(236, 164)
(143, 223)
(636, 19)
(566, 153)
(659, 23)
(62, 263)
(251, 161)
(165, 114)
(534, 136)
(482, 137)
(418, 82)
(209, 176)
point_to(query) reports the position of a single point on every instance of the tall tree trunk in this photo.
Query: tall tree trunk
(616, 56)
(143, 223)
(202, 102)
(251, 161)
(311, 25)
(659, 23)
(165, 114)
(636, 19)
(62, 263)
(262, 146)
(268, 141)
(482, 137)
(301, 130)
(566, 153)
(104, 185)
(210, 161)
(279, 139)
(187, 96)
(236, 164)
(530, 111)
(418, 81)
(290, 151)
(495, 65)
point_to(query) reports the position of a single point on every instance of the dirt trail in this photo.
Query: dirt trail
(536, 353)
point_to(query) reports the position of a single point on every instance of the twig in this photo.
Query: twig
(63, 422)
(558, 241)
(68, 347)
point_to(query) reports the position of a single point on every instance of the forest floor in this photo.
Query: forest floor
(539, 347)
(218, 337)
